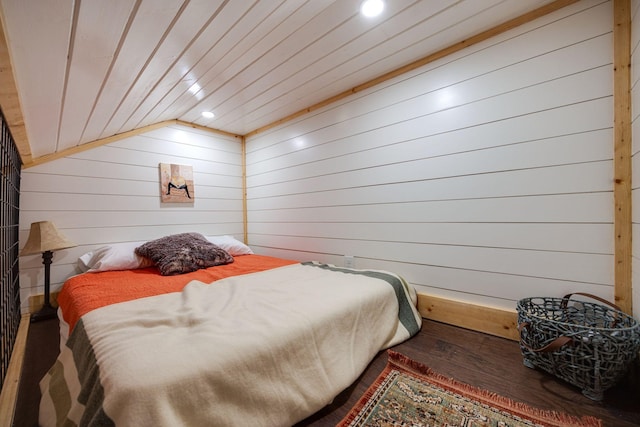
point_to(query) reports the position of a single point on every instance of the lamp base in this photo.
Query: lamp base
(46, 312)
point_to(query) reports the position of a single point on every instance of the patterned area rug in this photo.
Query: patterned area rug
(408, 393)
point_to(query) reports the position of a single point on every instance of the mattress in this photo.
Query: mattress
(261, 342)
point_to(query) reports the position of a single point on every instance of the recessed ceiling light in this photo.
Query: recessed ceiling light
(371, 8)
(208, 114)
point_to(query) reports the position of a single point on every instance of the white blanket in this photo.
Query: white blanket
(262, 349)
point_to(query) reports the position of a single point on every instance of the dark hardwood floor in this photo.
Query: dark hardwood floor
(478, 359)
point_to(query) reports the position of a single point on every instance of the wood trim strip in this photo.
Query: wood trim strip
(489, 320)
(10, 100)
(9, 394)
(97, 143)
(622, 154)
(37, 301)
(117, 137)
(245, 222)
(513, 23)
(213, 130)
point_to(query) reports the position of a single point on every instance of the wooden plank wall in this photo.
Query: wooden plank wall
(483, 177)
(112, 194)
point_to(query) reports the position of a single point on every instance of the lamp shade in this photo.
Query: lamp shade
(44, 236)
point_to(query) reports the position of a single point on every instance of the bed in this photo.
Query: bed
(254, 340)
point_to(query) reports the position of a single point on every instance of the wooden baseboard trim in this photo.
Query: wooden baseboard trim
(36, 301)
(9, 393)
(489, 320)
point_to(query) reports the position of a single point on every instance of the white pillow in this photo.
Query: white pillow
(117, 256)
(231, 245)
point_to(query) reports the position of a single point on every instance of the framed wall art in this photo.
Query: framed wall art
(176, 183)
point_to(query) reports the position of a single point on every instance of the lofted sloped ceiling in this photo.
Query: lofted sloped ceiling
(79, 71)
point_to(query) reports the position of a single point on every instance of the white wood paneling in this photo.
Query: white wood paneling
(589, 238)
(354, 170)
(87, 70)
(564, 122)
(150, 21)
(41, 87)
(484, 177)
(112, 194)
(160, 58)
(428, 114)
(231, 53)
(329, 46)
(231, 20)
(567, 266)
(409, 186)
(97, 25)
(586, 207)
(520, 49)
(474, 62)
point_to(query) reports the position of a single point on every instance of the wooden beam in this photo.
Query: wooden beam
(10, 101)
(622, 154)
(245, 223)
(117, 137)
(506, 26)
(9, 394)
(97, 143)
(213, 130)
(493, 321)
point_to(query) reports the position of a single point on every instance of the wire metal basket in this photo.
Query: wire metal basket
(587, 344)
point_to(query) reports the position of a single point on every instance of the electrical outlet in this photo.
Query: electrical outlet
(349, 261)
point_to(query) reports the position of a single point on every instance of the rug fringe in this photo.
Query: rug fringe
(546, 417)
(367, 395)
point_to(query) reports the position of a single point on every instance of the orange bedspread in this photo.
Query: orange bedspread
(85, 292)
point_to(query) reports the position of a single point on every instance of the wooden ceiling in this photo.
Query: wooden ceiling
(79, 71)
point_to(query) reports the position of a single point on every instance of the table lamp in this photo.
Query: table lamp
(45, 238)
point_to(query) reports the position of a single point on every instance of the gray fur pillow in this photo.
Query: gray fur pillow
(183, 253)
